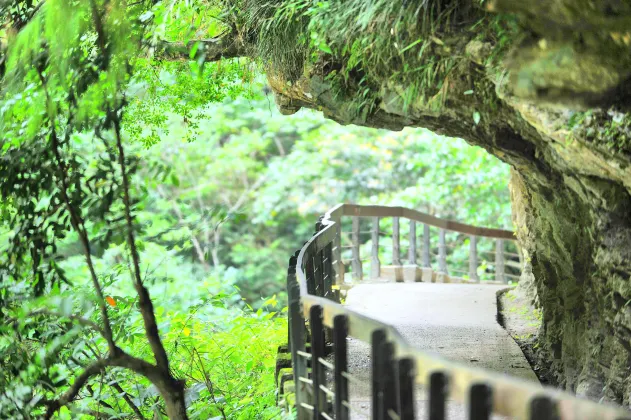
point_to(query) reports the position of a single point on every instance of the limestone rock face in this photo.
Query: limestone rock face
(553, 106)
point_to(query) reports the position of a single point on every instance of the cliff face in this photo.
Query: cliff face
(545, 89)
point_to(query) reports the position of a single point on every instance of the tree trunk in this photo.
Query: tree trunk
(175, 406)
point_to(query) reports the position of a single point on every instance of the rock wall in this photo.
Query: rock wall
(545, 90)
(575, 249)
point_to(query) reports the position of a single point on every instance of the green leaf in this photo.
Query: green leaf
(411, 45)
(193, 50)
(476, 117)
(324, 47)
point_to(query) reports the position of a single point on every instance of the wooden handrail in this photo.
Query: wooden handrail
(511, 396)
(417, 216)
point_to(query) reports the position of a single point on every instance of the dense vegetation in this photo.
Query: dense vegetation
(149, 207)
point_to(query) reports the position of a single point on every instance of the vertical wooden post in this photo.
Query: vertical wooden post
(543, 408)
(297, 332)
(309, 272)
(318, 278)
(473, 258)
(327, 270)
(406, 388)
(340, 332)
(412, 247)
(427, 262)
(357, 262)
(480, 402)
(499, 260)
(378, 337)
(318, 375)
(337, 253)
(318, 273)
(437, 396)
(442, 252)
(390, 398)
(375, 264)
(396, 252)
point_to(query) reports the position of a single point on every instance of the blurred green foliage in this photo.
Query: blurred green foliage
(266, 178)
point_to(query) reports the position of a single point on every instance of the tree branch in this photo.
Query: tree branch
(69, 396)
(209, 384)
(78, 225)
(128, 400)
(163, 381)
(171, 389)
(245, 194)
(80, 320)
(213, 49)
(114, 384)
(176, 209)
(97, 398)
(144, 300)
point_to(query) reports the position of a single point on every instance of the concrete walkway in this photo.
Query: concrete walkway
(456, 321)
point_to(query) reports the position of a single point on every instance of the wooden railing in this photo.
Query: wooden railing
(368, 221)
(316, 317)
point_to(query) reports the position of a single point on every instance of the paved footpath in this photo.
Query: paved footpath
(456, 321)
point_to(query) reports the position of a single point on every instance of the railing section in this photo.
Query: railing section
(316, 320)
(385, 243)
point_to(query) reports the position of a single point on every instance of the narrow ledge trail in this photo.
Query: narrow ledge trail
(455, 321)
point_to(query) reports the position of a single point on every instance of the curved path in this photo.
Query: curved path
(456, 321)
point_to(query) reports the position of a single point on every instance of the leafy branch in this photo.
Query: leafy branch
(227, 45)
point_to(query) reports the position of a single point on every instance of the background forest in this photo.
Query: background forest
(220, 216)
(223, 190)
